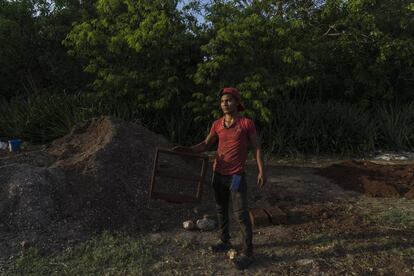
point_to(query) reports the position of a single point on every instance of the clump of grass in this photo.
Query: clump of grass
(294, 128)
(316, 127)
(395, 127)
(319, 127)
(107, 254)
(44, 117)
(397, 214)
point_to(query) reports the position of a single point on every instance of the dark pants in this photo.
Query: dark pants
(222, 193)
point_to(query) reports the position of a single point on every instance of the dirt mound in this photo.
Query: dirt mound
(373, 179)
(100, 170)
(28, 196)
(107, 163)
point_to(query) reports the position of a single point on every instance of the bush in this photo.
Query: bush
(309, 127)
(318, 127)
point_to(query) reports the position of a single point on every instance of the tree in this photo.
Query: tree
(141, 53)
(364, 50)
(32, 57)
(255, 46)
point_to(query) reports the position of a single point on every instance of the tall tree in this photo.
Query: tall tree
(254, 45)
(140, 52)
(32, 57)
(364, 50)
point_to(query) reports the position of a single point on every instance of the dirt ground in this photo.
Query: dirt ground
(372, 179)
(330, 231)
(336, 224)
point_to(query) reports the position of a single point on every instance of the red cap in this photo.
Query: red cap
(235, 93)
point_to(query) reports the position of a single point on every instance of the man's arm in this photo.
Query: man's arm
(210, 140)
(255, 144)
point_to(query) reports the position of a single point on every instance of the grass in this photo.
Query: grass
(336, 128)
(394, 130)
(43, 118)
(382, 246)
(107, 254)
(389, 213)
(309, 127)
(117, 254)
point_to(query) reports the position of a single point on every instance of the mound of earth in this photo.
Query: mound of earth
(373, 179)
(100, 170)
(28, 196)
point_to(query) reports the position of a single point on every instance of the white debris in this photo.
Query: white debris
(188, 225)
(232, 253)
(393, 156)
(303, 262)
(3, 145)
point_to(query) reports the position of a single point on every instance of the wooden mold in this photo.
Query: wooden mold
(175, 197)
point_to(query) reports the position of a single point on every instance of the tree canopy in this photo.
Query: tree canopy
(156, 58)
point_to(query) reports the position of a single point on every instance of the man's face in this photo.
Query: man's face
(228, 104)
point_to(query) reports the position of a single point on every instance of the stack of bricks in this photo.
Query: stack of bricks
(267, 216)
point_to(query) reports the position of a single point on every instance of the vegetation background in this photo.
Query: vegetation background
(319, 77)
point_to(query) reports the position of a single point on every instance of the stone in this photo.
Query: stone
(232, 254)
(303, 262)
(188, 225)
(25, 244)
(206, 224)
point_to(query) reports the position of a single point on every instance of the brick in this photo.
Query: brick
(276, 215)
(259, 217)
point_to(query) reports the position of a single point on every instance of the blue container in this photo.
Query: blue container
(14, 145)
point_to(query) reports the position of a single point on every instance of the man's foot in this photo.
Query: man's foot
(220, 247)
(242, 262)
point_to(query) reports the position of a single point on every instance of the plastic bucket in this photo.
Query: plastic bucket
(14, 145)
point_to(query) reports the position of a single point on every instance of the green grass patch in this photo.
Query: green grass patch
(107, 254)
(389, 213)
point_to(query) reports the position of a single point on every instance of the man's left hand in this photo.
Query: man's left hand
(261, 180)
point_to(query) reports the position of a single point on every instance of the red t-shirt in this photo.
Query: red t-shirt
(233, 143)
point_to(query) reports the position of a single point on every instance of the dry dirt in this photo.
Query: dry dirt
(376, 180)
(330, 230)
(97, 178)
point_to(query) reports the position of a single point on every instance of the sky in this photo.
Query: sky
(182, 3)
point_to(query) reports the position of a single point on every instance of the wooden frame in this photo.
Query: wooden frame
(178, 198)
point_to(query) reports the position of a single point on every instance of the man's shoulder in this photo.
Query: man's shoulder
(216, 123)
(218, 120)
(246, 121)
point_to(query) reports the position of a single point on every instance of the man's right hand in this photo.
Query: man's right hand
(261, 180)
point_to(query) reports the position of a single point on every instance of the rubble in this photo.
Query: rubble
(394, 156)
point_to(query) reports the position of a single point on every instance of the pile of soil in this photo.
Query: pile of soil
(100, 170)
(95, 178)
(373, 179)
(107, 164)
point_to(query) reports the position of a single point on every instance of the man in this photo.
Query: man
(234, 135)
